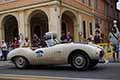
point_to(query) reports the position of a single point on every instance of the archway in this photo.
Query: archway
(38, 23)
(68, 22)
(11, 30)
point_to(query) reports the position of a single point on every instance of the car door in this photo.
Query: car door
(56, 54)
(50, 55)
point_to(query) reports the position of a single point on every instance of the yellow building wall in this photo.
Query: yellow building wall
(22, 14)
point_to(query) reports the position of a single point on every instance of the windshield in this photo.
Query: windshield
(52, 42)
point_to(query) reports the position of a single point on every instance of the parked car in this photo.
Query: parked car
(80, 56)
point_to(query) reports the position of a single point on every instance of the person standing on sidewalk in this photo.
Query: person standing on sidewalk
(97, 37)
(4, 50)
(26, 43)
(118, 49)
(113, 39)
(21, 40)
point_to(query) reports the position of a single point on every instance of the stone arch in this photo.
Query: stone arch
(68, 22)
(38, 23)
(10, 28)
(12, 14)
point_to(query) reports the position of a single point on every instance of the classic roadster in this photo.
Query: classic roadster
(80, 56)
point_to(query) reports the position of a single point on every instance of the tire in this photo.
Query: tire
(20, 62)
(80, 62)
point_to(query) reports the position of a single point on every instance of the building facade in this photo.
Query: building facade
(106, 12)
(111, 14)
(39, 16)
(100, 17)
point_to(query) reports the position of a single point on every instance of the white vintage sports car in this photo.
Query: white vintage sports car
(80, 56)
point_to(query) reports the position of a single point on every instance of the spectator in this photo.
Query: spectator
(118, 49)
(90, 39)
(97, 38)
(26, 43)
(4, 50)
(69, 37)
(21, 40)
(15, 43)
(63, 38)
(35, 42)
(113, 38)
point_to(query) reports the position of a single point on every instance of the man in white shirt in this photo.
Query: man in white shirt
(4, 50)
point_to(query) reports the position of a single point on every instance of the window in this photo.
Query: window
(84, 29)
(96, 4)
(91, 32)
(89, 2)
(83, 1)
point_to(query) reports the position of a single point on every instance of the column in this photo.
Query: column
(1, 30)
(80, 27)
(54, 20)
(22, 23)
(93, 24)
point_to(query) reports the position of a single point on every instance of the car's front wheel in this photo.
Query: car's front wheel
(20, 62)
(80, 62)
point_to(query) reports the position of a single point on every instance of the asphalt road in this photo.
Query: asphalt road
(101, 72)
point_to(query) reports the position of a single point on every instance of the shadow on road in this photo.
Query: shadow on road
(60, 68)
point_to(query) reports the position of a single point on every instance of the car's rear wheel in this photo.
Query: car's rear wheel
(79, 62)
(20, 62)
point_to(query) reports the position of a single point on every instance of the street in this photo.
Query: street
(101, 72)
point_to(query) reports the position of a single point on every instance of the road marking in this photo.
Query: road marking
(30, 77)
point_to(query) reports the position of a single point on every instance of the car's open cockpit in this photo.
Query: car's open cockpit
(50, 39)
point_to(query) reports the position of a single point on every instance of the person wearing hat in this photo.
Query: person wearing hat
(4, 50)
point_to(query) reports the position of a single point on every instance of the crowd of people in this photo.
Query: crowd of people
(36, 42)
(17, 42)
(66, 38)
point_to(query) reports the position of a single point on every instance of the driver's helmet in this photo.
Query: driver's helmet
(50, 35)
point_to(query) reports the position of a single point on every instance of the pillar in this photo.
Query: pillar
(0, 31)
(93, 26)
(21, 23)
(54, 20)
(80, 32)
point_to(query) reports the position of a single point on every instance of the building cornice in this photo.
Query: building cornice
(16, 9)
(28, 7)
(79, 9)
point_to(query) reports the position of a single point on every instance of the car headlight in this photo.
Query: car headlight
(100, 52)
